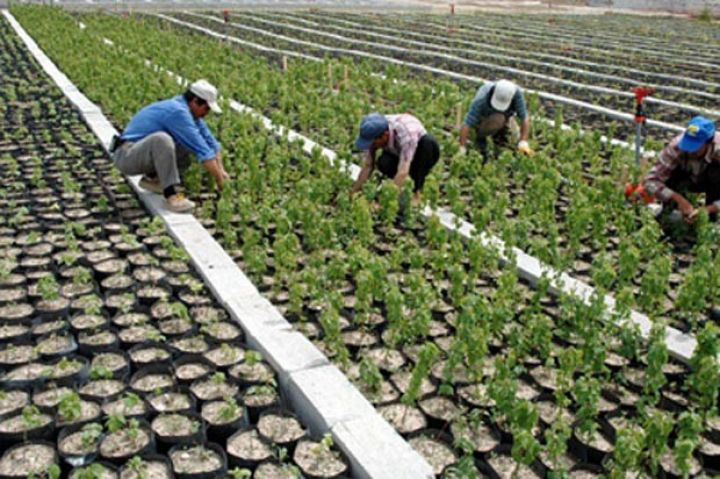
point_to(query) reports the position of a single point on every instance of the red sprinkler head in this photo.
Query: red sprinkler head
(641, 92)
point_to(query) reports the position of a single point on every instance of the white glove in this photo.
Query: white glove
(462, 151)
(524, 147)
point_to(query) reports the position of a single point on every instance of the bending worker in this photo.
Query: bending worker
(407, 149)
(159, 139)
(690, 162)
(492, 112)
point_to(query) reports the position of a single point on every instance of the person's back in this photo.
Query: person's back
(151, 118)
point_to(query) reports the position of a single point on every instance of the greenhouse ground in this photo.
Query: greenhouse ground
(596, 356)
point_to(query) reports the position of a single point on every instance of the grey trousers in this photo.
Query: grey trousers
(156, 155)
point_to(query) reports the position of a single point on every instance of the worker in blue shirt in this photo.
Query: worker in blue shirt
(159, 139)
(492, 114)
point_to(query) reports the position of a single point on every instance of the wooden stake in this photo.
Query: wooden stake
(624, 175)
(330, 79)
(458, 116)
(284, 63)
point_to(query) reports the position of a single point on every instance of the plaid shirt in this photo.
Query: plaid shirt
(405, 133)
(672, 159)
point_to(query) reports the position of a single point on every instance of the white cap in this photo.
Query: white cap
(203, 89)
(503, 95)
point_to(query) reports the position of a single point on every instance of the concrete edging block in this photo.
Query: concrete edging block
(372, 437)
(287, 351)
(680, 343)
(201, 246)
(326, 398)
(254, 314)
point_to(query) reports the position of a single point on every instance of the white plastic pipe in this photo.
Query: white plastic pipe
(515, 52)
(549, 96)
(517, 71)
(401, 38)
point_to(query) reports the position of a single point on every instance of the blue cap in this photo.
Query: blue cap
(699, 131)
(371, 127)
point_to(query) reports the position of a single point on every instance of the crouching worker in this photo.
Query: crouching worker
(689, 163)
(407, 149)
(159, 139)
(492, 114)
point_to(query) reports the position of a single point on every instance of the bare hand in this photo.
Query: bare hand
(692, 217)
(686, 208)
(220, 179)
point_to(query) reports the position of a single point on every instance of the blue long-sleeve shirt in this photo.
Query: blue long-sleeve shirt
(173, 116)
(480, 107)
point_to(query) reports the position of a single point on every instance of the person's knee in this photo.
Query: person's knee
(162, 141)
(387, 164)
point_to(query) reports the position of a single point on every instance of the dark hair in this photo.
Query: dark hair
(190, 96)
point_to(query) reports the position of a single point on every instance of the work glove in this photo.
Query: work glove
(524, 148)
(462, 151)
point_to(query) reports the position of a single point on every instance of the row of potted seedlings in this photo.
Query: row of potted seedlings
(385, 295)
(286, 36)
(384, 292)
(559, 223)
(649, 64)
(114, 359)
(565, 229)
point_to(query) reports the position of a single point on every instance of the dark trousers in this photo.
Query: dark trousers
(499, 139)
(426, 155)
(709, 183)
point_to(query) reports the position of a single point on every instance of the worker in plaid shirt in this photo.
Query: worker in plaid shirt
(691, 162)
(407, 149)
